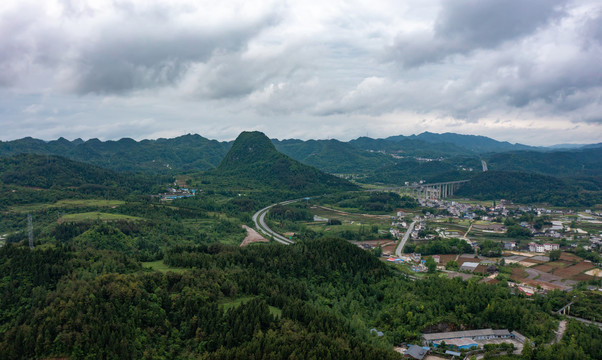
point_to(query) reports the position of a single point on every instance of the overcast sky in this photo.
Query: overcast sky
(515, 70)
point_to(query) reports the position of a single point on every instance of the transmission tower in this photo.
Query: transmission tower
(30, 230)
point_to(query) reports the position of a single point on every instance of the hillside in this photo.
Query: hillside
(254, 158)
(581, 162)
(474, 143)
(333, 156)
(49, 171)
(183, 153)
(405, 146)
(529, 188)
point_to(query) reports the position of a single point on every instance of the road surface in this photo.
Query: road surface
(585, 321)
(405, 238)
(259, 220)
(560, 332)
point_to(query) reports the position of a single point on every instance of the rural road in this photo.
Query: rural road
(405, 238)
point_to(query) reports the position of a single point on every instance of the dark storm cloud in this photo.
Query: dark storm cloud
(25, 44)
(135, 57)
(467, 25)
(593, 27)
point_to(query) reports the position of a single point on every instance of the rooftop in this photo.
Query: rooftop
(467, 333)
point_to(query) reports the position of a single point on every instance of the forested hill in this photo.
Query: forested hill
(529, 188)
(188, 152)
(475, 143)
(254, 158)
(582, 162)
(333, 156)
(49, 171)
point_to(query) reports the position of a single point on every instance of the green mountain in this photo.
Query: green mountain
(166, 156)
(254, 158)
(406, 146)
(571, 163)
(333, 156)
(530, 188)
(49, 171)
(473, 143)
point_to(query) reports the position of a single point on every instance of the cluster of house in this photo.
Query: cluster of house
(541, 248)
(413, 260)
(460, 340)
(173, 194)
(467, 211)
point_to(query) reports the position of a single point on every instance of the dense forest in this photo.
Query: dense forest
(296, 301)
(528, 188)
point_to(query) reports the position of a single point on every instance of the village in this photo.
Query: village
(549, 252)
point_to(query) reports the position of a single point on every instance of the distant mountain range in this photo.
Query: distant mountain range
(390, 160)
(183, 153)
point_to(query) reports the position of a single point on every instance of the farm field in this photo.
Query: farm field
(95, 215)
(67, 203)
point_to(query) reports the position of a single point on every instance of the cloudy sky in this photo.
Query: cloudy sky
(515, 70)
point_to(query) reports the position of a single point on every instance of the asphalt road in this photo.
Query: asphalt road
(259, 220)
(405, 238)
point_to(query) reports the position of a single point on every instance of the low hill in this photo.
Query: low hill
(49, 171)
(567, 163)
(253, 158)
(530, 188)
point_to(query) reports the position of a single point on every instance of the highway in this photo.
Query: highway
(259, 220)
(405, 238)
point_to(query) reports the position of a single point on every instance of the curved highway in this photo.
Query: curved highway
(259, 220)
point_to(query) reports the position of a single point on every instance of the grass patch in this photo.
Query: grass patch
(95, 215)
(67, 203)
(234, 303)
(161, 266)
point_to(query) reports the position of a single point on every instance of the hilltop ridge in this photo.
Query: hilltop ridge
(254, 157)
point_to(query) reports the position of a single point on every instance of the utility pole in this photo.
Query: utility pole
(30, 230)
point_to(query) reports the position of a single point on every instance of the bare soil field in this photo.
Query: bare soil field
(569, 257)
(389, 249)
(444, 259)
(518, 274)
(571, 271)
(562, 263)
(582, 277)
(379, 242)
(252, 237)
(462, 260)
(595, 272)
(544, 284)
(544, 268)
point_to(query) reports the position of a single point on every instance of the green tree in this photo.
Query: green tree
(431, 264)
(452, 265)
